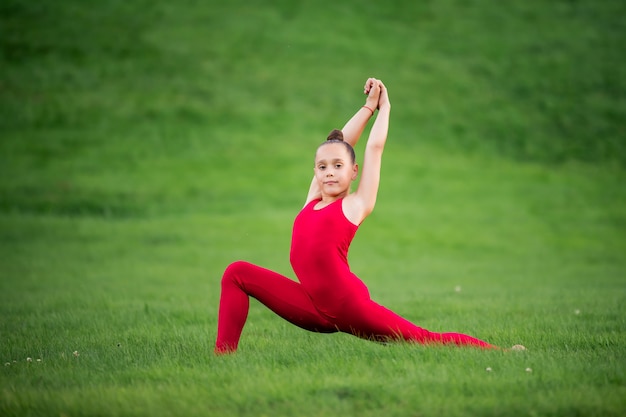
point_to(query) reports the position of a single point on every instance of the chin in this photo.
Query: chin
(337, 193)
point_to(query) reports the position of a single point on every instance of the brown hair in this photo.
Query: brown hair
(336, 136)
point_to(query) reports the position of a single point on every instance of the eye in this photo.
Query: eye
(321, 167)
(337, 166)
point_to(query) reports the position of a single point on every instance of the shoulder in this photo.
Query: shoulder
(311, 201)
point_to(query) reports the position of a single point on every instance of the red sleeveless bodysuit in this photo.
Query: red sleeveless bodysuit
(319, 256)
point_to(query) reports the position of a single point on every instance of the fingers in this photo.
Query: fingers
(368, 86)
(371, 82)
(373, 86)
(383, 99)
(375, 90)
(382, 87)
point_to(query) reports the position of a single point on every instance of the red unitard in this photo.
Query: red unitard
(328, 298)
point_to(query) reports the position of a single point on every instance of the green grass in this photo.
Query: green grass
(145, 145)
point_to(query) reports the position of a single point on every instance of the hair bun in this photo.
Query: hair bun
(336, 134)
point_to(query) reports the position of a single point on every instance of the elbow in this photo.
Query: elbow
(376, 146)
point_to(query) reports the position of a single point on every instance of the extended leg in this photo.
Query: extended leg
(280, 294)
(367, 319)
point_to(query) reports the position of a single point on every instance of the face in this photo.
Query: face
(334, 170)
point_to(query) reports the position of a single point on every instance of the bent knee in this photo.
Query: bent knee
(235, 268)
(236, 271)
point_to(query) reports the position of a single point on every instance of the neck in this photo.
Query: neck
(327, 199)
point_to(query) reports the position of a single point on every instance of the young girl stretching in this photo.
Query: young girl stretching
(328, 297)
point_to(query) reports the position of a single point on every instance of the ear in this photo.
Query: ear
(355, 171)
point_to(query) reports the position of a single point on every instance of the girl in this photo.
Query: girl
(328, 297)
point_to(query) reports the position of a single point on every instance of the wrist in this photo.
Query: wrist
(372, 104)
(385, 108)
(369, 108)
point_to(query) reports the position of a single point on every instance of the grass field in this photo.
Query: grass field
(145, 145)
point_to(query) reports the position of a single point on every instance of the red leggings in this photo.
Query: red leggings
(359, 315)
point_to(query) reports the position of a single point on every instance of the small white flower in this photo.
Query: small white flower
(7, 364)
(38, 360)
(457, 288)
(488, 369)
(518, 347)
(577, 311)
(29, 359)
(529, 370)
(76, 353)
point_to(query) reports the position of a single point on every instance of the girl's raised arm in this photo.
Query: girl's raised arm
(363, 200)
(354, 127)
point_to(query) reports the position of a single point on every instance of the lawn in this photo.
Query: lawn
(146, 145)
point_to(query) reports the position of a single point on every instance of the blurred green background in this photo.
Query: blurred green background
(127, 107)
(144, 145)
